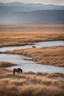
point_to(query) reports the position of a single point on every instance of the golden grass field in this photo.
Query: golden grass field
(29, 35)
(30, 83)
(47, 55)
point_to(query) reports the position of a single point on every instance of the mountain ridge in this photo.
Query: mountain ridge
(25, 7)
(33, 17)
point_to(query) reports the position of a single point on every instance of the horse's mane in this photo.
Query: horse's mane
(20, 69)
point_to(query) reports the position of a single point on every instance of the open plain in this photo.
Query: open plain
(30, 83)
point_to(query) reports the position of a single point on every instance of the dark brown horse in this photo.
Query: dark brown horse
(18, 70)
(33, 46)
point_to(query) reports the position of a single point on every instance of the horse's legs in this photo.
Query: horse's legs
(13, 72)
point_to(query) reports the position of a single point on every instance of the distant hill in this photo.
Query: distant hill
(19, 13)
(21, 7)
(34, 17)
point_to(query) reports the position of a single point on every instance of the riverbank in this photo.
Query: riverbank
(30, 83)
(47, 55)
(29, 34)
(6, 64)
(23, 84)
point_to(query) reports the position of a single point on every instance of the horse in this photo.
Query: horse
(18, 70)
(33, 46)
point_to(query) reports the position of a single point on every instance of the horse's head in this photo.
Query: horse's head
(20, 70)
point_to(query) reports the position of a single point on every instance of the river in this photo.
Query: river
(30, 65)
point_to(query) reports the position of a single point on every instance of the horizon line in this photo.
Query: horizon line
(32, 3)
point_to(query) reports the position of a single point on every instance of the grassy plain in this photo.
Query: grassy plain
(30, 83)
(23, 35)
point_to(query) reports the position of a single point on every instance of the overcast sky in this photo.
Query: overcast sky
(57, 2)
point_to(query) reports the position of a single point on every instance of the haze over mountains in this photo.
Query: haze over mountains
(18, 13)
(21, 7)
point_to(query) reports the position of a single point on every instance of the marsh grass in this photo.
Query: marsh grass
(47, 55)
(44, 33)
(30, 83)
(6, 64)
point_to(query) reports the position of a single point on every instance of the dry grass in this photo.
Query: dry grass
(30, 34)
(31, 84)
(47, 55)
(6, 64)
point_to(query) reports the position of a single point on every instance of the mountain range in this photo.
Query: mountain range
(20, 13)
(21, 7)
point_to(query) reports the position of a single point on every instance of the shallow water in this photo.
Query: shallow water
(30, 65)
(37, 44)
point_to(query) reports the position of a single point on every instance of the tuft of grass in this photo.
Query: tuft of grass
(6, 64)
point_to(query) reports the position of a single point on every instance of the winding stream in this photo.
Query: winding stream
(30, 65)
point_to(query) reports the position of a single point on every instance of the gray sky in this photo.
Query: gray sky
(57, 2)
